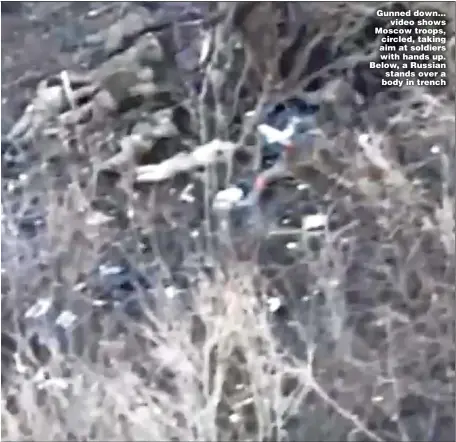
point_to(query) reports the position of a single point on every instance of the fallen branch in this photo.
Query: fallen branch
(203, 156)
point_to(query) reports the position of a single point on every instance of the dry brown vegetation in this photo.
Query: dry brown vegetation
(366, 350)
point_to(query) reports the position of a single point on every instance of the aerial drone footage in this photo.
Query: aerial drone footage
(221, 222)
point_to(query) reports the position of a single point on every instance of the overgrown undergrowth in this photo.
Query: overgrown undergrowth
(347, 335)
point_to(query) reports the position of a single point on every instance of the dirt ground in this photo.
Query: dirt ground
(365, 343)
(42, 38)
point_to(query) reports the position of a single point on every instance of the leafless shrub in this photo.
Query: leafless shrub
(365, 350)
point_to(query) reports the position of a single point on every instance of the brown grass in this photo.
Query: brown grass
(346, 364)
